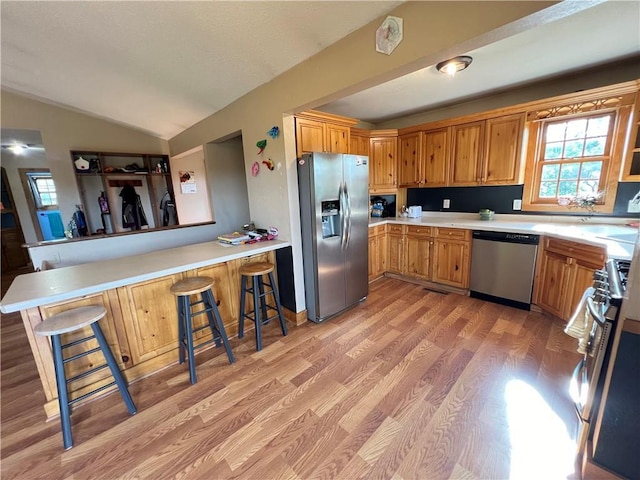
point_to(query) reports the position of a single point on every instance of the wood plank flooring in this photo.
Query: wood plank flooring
(411, 384)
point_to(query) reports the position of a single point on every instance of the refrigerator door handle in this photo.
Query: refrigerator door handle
(341, 197)
(348, 215)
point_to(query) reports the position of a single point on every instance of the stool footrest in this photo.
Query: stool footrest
(87, 373)
(200, 312)
(82, 397)
(78, 342)
(80, 355)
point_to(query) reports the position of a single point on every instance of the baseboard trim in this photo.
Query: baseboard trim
(297, 319)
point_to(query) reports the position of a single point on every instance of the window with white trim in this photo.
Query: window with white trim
(43, 189)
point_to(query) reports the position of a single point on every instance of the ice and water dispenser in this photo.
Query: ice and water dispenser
(330, 218)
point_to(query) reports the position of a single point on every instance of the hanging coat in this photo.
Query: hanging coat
(133, 216)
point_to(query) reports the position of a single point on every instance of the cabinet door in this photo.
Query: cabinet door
(553, 283)
(409, 159)
(581, 278)
(383, 163)
(395, 249)
(309, 136)
(337, 138)
(418, 257)
(359, 145)
(434, 158)
(150, 317)
(381, 257)
(466, 153)
(501, 164)
(451, 263)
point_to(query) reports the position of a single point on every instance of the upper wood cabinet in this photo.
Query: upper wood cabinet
(631, 166)
(435, 159)
(382, 162)
(503, 145)
(487, 152)
(359, 140)
(409, 159)
(466, 153)
(322, 132)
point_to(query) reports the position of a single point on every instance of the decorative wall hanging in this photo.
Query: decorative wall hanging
(255, 169)
(269, 164)
(274, 132)
(389, 35)
(188, 181)
(261, 145)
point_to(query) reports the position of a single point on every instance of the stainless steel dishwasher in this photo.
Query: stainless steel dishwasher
(502, 267)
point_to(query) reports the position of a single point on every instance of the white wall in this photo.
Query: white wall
(191, 207)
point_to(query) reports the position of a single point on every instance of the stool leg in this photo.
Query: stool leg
(219, 327)
(263, 300)
(276, 297)
(113, 366)
(190, 348)
(63, 397)
(256, 313)
(210, 304)
(181, 336)
(243, 293)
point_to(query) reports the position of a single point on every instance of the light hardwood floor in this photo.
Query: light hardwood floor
(411, 384)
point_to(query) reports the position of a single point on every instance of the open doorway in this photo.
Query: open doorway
(42, 200)
(14, 255)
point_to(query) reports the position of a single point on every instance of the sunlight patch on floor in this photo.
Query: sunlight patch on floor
(541, 446)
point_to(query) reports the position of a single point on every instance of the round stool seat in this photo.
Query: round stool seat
(256, 269)
(70, 320)
(191, 286)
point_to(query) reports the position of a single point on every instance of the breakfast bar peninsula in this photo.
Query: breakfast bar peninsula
(141, 323)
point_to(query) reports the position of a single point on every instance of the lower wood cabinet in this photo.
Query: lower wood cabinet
(395, 249)
(418, 252)
(451, 256)
(565, 271)
(141, 327)
(377, 251)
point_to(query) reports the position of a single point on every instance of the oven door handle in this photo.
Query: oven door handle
(576, 380)
(593, 310)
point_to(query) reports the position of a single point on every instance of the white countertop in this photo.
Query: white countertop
(49, 286)
(618, 238)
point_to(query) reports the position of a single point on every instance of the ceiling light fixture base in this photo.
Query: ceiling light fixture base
(454, 65)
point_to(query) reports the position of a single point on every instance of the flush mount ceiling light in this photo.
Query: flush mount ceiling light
(454, 65)
(17, 148)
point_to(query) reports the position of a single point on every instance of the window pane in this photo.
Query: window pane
(576, 129)
(598, 126)
(573, 149)
(588, 186)
(567, 188)
(595, 146)
(570, 171)
(550, 172)
(591, 170)
(552, 151)
(555, 132)
(548, 189)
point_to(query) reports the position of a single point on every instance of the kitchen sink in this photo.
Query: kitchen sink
(622, 237)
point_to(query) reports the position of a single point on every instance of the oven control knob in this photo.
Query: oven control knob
(601, 285)
(600, 275)
(600, 295)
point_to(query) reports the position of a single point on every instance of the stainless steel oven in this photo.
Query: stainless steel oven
(600, 309)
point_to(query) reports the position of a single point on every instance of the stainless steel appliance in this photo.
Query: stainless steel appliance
(502, 267)
(601, 307)
(334, 216)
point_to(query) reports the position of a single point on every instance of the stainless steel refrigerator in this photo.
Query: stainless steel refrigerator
(334, 216)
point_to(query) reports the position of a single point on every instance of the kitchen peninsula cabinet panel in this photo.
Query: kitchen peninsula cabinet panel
(466, 153)
(435, 158)
(502, 158)
(150, 317)
(409, 160)
(227, 301)
(382, 164)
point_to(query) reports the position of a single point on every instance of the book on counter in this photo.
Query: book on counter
(235, 238)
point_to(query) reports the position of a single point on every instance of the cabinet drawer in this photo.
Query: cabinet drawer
(452, 233)
(397, 229)
(377, 230)
(588, 254)
(420, 231)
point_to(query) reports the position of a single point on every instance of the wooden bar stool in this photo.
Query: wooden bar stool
(70, 321)
(182, 290)
(256, 271)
